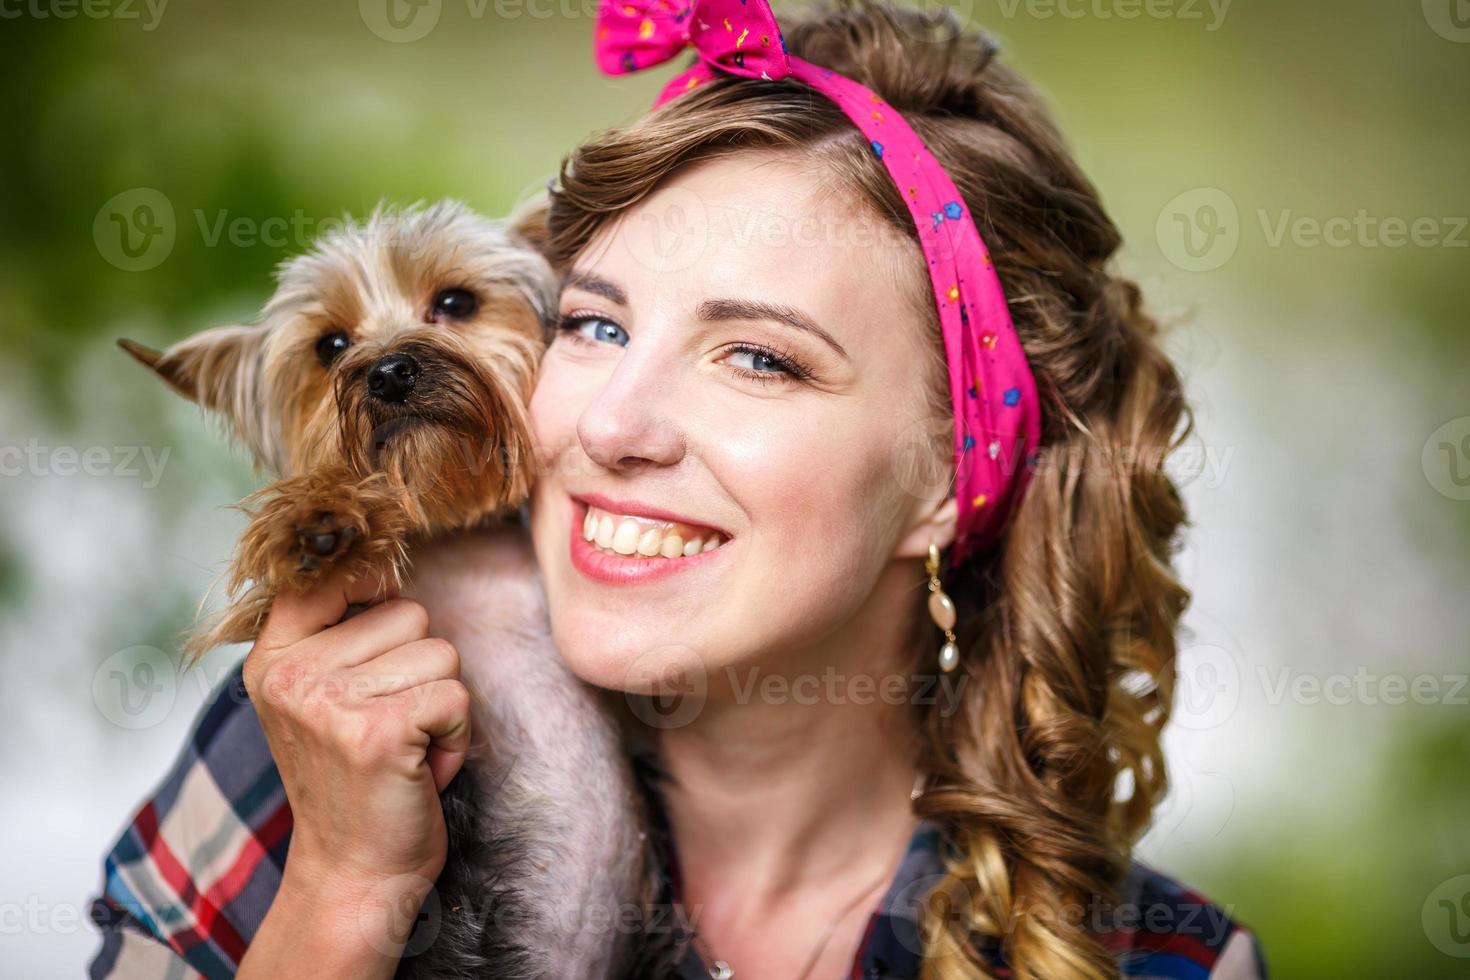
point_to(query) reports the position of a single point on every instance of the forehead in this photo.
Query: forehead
(393, 261)
(762, 223)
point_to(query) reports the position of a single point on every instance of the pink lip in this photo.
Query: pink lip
(617, 569)
(632, 508)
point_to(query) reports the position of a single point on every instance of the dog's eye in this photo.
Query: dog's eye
(331, 345)
(453, 304)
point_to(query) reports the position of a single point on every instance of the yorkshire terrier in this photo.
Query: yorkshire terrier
(386, 386)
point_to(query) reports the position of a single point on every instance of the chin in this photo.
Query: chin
(635, 658)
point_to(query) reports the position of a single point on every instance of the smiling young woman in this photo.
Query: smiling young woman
(749, 357)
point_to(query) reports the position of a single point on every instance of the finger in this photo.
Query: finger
(373, 632)
(296, 615)
(442, 711)
(410, 665)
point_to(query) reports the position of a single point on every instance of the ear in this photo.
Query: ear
(528, 222)
(218, 368)
(932, 521)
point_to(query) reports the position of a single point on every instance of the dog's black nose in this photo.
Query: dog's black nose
(392, 378)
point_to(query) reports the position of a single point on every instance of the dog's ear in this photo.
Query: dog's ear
(217, 368)
(528, 223)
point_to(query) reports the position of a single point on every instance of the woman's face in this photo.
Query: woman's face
(737, 381)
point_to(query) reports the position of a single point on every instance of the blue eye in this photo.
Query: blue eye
(763, 361)
(594, 328)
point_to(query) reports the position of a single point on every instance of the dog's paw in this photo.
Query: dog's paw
(324, 537)
(303, 527)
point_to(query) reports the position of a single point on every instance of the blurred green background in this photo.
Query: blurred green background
(1291, 178)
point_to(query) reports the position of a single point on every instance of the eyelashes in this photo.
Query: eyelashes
(788, 367)
(781, 360)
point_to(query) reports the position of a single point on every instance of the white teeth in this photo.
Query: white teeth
(625, 542)
(639, 536)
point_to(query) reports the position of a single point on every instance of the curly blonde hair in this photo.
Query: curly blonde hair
(1051, 768)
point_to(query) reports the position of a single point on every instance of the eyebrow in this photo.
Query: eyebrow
(744, 309)
(596, 285)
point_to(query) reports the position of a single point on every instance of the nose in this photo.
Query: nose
(630, 423)
(392, 378)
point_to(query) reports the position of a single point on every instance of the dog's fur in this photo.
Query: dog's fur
(545, 820)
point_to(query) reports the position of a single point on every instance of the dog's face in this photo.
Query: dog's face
(406, 344)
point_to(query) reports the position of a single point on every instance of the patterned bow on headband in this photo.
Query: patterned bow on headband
(997, 416)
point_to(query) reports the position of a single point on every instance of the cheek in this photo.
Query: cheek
(821, 499)
(553, 416)
(841, 476)
(555, 406)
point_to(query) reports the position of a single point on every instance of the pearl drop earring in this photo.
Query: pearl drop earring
(941, 607)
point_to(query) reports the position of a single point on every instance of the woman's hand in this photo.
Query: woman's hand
(367, 721)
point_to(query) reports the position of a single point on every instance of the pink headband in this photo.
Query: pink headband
(997, 416)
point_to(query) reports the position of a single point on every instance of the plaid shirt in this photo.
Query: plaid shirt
(191, 878)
